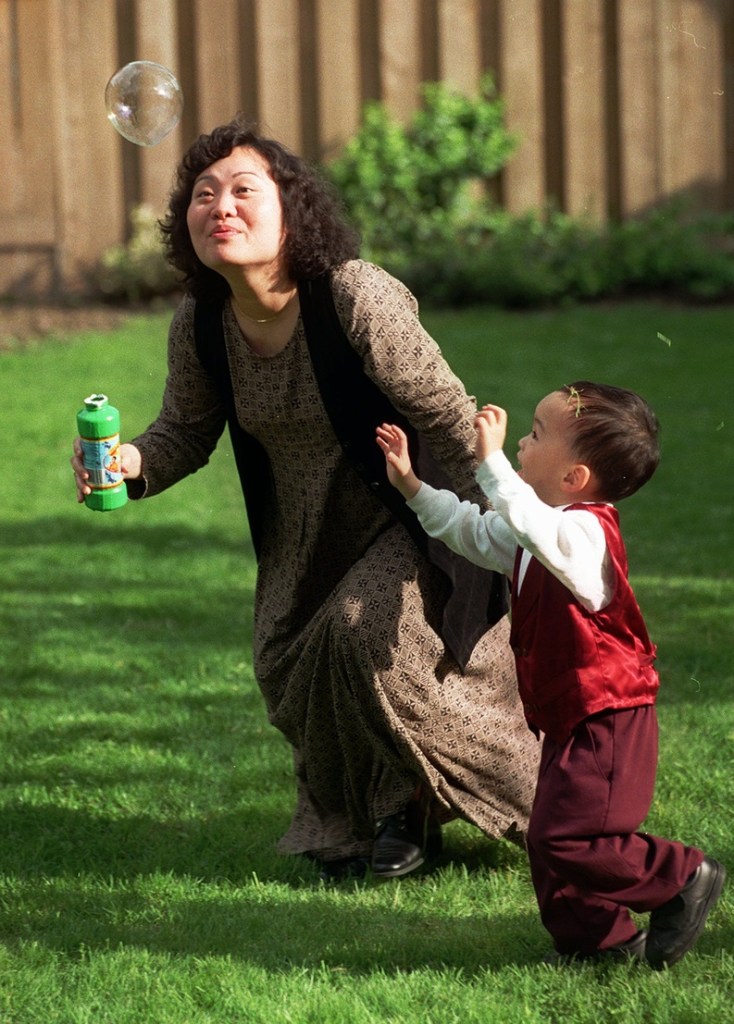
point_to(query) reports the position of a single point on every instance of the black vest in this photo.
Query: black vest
(355, 406)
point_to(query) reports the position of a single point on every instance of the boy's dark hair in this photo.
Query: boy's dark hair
(317, 235)
(616, 434)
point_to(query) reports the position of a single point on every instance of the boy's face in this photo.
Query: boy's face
(545, 455)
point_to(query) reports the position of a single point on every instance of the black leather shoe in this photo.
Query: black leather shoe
(344, 869)
(632, 949)
(676, 925)
(402, 841)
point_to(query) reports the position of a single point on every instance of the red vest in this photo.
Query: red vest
(572, 663)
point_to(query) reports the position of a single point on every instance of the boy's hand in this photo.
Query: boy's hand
(490, 424)
(400, 473)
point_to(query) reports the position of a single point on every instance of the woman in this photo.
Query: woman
(392, 730)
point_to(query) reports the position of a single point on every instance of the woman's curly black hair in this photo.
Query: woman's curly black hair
(318, 236)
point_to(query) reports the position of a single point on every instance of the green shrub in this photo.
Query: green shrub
(136, 270)
(414, 185)
(532, 260)
(672, 250)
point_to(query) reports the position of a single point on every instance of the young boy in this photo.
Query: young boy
(584, 665)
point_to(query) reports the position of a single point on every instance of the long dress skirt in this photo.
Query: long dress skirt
(372, 703)
(347, 650)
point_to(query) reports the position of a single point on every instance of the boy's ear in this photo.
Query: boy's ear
(576, 478)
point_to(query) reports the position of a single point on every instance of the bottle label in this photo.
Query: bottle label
(102, 461)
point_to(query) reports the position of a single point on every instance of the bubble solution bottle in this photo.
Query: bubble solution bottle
(98, 424)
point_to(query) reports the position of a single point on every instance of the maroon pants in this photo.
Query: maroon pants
(590, 865)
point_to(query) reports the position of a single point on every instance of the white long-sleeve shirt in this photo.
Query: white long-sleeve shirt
(569, 544)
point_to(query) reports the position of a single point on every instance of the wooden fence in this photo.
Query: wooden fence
(618, 103)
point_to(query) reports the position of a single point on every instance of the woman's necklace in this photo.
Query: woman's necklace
(265, 319)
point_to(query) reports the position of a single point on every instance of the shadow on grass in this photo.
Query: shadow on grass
(76, 883)
(65, 532)
(277, 934)
(52, 569)
(44, 840)
(280, 927)
(48, 841)
(97, 598)
(281, 930)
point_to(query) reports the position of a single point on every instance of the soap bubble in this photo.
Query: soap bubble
(144, 102)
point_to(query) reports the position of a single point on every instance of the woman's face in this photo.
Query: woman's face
(235, 217)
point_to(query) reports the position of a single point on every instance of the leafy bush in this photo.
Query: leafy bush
(136, 270)
(532, 260)
(406, 186)
(672, 249)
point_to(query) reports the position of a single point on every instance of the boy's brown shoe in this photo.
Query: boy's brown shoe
(675, 926)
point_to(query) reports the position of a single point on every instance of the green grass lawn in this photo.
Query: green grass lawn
(143, 791)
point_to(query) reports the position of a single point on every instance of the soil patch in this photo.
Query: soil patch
(20, 324)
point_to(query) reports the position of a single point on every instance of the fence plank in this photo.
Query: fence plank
(521, 87)
(25, 122)
(156, 24)
(10, 73)
(340, 99)
(90, 206)
(583, 108)
(400, 56)
(692, 102)
(27, 234)
(727, 58)
(279, 77)
(639, 168)
(216, 28)
(459, 44)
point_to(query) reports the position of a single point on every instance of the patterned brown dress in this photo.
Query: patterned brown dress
(346, 651)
